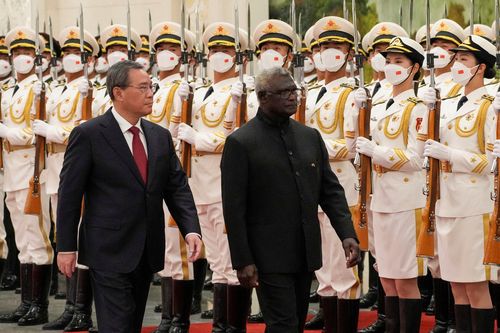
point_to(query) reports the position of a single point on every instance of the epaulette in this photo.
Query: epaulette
(414, 100)
(206, 85)
(313, 86)
(488, 97)
(6, 87)
(60, 84)
(347, 85)
(381, 102)
(101, 87)
(451, 97)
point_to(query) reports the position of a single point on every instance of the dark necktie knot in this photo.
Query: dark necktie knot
(461, 102)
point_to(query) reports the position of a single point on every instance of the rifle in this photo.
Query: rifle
(492, 252)
(241, 112)
(187, 104)
(425, 240)
(87, 99)
(298, 65)
(1, 140)
(33, 205)
(362, 162)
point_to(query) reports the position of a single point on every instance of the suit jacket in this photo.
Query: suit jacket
(274, 176)
(122, 216)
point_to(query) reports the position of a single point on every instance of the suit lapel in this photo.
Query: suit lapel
(149, 134)
(113, 134)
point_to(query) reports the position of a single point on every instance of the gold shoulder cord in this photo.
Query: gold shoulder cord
(478, 125)
(167, 108)
(454, 90)
(339, 115)
(26, 111)
(69, 116)
(404, 125)
(218, 121)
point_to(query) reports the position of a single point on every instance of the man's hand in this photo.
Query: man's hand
(351, 249)
(187, 133)
(194, 244)
(248, 276)
(66, 263)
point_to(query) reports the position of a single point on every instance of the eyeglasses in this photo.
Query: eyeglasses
(285, 93)
(143, 88)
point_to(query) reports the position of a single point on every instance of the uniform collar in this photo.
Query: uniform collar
(170, 78)
(335, 83)
(224, 83)
(403, 96)
(477, 94)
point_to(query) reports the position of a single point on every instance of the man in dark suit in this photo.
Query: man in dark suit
(275, 173)
(123, 167)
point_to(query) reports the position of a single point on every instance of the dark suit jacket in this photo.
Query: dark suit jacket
(122, 216)
(273, 178)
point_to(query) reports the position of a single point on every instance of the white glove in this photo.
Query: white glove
(183, 89)
(360, 97)
(37, 88)
(365, 146)
(250, 82)
(437, 150)
(351, 81)
(496, 148)
(40, 127)
(187, 133)
(496, 102)
(83, 87)
(4, 131)
(428, 95)
(236, 91)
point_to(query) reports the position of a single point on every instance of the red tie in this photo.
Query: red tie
(139, 154)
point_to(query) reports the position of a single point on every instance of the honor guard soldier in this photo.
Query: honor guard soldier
(6, 78)
(464, 205)
(339, 287)
(213, 117)
(114, 40)
(313, 45)
(397, 198)
(381, 34)
(310, 76)
(47, 55)
(32, 232)
(177, 276)
(274, 41)
(142, 56)
(65, 110)
(101, 66)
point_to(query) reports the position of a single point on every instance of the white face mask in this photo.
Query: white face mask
(270, 59)
(318, 63)
(5, 68)
(221, 62)
(116, 57)
(442, 58)
(102, 65)
(23, 64)
(378, 63)
(59, 66)
(144, 62)
(45, 64)
(396, 74)
(308, 65)
(167, 60)
(72, 63)
(333, 59)
(462, 74)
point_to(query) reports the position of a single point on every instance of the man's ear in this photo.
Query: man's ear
(118, 93)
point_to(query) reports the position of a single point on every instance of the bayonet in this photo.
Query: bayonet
(445, 10)
(131, 52)
(410, 23)
(184, 54)
(249, 51)
(237, 45)
(38, 59)
(401, 13)
(154, 67)
(84, 54)
(98, 29)
(345, 11)
(471, 17)
(198, 48)
(53, 56)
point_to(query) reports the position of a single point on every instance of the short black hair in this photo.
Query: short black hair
(118, 75)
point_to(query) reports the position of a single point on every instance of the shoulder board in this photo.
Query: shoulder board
(451, 97)
(101, 87)
(314, 86)
(488, 97)
(6, 86)
(204, 86)
(347, 85)
(415, 100)
(495, 81)
(381, 102)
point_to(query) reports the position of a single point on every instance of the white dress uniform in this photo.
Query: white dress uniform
(398, 179)
(166, 101)
(327, 116)
(464, 206)
(31, 232)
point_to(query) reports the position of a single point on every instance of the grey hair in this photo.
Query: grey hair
(118, 75)
(266, 77)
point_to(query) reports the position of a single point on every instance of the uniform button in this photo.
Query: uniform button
(297, 173)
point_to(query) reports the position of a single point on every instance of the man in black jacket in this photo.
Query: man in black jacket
(124, 167)
(275, 173)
